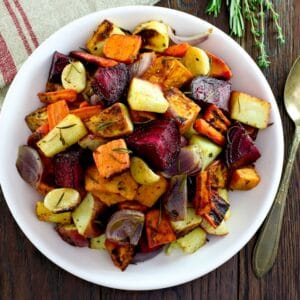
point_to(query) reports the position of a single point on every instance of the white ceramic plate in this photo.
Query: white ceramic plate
(248, 208)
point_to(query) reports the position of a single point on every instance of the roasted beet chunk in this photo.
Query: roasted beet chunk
(110, 83)
(59, 61)
(240, 149)
(211, 90)
(157, 141)
(68, 171)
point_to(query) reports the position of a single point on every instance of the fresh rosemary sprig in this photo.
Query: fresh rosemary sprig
(253, 12)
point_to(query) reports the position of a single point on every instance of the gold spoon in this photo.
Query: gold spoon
(265, 251)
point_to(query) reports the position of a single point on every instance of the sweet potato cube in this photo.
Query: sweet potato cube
(122, 48)
(244, 179)
(168, 72)
(249, 110)
(111, 122)
(218, 174)
(181, 108)
(218, 68)
(112, 158)
(158, 228)
(148, 194)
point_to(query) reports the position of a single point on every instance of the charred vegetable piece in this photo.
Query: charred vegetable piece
(218, 67)
(59, 61)
(121, 255)
(158, 228)
(240, 149)
(218, 174)
(125, 226)
(70, 235)
(37, 118)
(110, 83)
(62, 199)
(29, 165)
(140, 117)
(175, 200)
(68, 171)
(157, 142)
(93, 59)
(85, 216)
(221, 229)
(211, 90)
(189, 162)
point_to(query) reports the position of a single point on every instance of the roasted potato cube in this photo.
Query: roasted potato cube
(244, 179)
(192, 241)
(154, 35)
(189, 223)
(249, 110)
(148, 194)
(97, 40)
(221, 229)
(44, 214)
(66, 133)
(37, 118)
(197, 61)
(111, 122)
(146, 96)
(168, 71)
(109, 198)
(85, 214)
(181, 108)
(112, 158)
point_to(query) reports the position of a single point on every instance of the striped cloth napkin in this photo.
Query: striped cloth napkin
(25, 24)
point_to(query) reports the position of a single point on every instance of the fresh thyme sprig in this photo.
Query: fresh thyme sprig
(253, 12)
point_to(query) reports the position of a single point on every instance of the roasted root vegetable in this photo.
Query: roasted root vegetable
(157, 142)
(98, 242)
(62, 199)
(211, 90)
(141, 172)
(73, 76)
(181, 108)
(112, 158)
(59, 61)
(92, 142)
(178, 50)
(85, 216)
(148, 194)
(218, 68)
(169, 72)
(218, 174)
(221, 229)
(197, 61)
(96, 42)
(44, 214)
(122, 48)
(154, 35)
(69, 234)
(37, 118)
(86, 112)
(249, 110)
(146, 96)
(245, 178)
(93, 59)
(158, 228)
(192, 241)
(69, 95)
(56, 112)
(140, 117)
(66, 133)
(111, 122)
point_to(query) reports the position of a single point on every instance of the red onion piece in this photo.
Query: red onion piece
(125, 226)
(29, 165)
(188, 162)
(142, 256)
(192, 40)
(139, 67)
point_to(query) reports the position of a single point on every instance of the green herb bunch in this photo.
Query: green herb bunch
(253, 12)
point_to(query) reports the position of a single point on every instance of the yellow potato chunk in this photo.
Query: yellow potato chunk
(197, 61)
(249, 110)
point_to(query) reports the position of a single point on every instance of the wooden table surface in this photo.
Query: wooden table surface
(26, 274)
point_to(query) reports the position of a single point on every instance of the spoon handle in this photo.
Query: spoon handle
(265, 251)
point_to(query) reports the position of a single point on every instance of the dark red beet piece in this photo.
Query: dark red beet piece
(211, 90)
(111, 83)
(157, 141)
(68, 171)
(59, 61)
(240, 149)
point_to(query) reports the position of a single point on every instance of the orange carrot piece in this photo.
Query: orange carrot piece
(56, 112)
(44, 129)
(218, 68)
(158, 229)
(51, 97)
(204, 128)
(178, 50)
(87, 111)
(122, 48)
(84, 104)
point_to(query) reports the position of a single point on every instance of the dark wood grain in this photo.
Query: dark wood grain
(26, 274)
